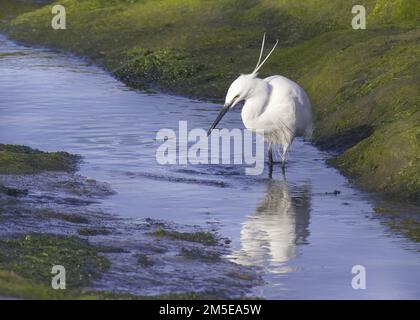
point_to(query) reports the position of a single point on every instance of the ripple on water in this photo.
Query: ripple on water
(295, 228)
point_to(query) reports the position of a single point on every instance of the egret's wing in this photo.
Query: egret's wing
(288, 104)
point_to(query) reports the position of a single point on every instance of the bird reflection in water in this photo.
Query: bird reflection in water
(270, 237)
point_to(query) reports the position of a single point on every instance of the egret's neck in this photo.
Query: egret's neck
(255, 103)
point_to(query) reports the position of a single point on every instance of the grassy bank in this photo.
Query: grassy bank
(363, 84)
(10, 9)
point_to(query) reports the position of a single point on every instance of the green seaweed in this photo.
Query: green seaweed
(144, 260)
(72, 218)
(400, 218)
(14, 286)
(202, 237)
(163, 67)
(205, 255)
(409, 227)
(32, 257)
(24, 160)
(246, 276)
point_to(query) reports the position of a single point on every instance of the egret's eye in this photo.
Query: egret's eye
(233, 100)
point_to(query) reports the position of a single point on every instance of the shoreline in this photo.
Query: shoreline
(356, 112)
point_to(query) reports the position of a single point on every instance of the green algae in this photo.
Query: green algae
(144, 261)
(72, 218)
(242, 276)
(202, 237)
(401, 219)
(162, 67)
(12, 285)
(196, 253)
(32, 257)
(409, 227)
(24, 160)
(25, 270)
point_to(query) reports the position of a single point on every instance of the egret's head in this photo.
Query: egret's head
(240, 89)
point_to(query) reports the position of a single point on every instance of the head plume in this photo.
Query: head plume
(259, 65)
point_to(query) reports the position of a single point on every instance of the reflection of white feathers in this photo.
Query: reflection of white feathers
(269, 237)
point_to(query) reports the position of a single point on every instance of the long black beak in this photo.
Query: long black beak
(219, 117)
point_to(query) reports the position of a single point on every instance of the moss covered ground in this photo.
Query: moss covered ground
(26, 262)
(32, 256)
(24, 160)
(202, 237)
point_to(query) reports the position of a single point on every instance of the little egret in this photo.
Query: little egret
(275, 104)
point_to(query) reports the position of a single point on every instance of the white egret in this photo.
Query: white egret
(275, 104)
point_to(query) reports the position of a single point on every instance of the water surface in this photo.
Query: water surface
(303, 237)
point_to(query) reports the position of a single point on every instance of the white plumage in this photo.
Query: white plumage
(275, 104)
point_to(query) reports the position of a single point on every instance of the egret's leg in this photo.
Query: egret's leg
(270, 154)
(283, 156)
(270, 161)
(270, 170)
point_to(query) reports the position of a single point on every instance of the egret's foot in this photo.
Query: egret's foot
(271, 166)
(270, 171)
(274, 162)
(282, 163)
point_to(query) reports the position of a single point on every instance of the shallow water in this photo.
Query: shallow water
(303, 237)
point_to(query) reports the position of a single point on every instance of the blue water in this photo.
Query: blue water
(303, 238)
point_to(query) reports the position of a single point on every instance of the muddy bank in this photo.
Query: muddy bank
(55, 218)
